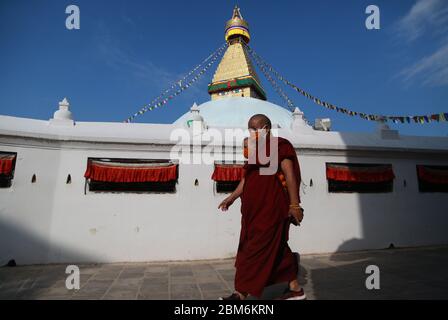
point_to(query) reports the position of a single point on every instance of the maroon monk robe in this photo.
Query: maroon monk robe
(264, 257)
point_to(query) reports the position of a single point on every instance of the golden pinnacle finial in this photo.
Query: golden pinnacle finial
(237, 27)
(237, 13)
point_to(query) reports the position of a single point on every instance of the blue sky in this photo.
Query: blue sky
(127, 52)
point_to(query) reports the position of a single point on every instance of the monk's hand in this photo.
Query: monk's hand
(226, 203)
(297, 213)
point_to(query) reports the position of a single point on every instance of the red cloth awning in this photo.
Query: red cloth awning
(108, 171)
(374, 173)
(228, 172)
(6, 163)
(433, 174)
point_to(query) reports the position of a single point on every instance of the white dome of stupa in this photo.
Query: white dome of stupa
(236, 111)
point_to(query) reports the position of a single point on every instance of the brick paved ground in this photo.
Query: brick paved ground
(417, 273)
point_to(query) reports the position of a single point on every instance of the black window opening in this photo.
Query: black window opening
(7, 168)
(359, 178)
(432, 178)
(359, 187)
(226, 186)
(133, 187)
(118, 175)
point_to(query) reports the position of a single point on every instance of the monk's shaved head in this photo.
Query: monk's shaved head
(258, 121)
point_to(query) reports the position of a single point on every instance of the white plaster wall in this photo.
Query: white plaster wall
(355, 221)
(51, 221)
(110, 227)
(26, 209)
(136, 227)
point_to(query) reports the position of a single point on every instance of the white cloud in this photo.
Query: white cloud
(431, 69)
(123, 60)
(424, 16)
(428, 19)
(157, 78)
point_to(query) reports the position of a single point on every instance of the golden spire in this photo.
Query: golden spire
(237, 27)
(235, 75)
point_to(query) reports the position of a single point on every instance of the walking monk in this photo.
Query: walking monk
(269, 204)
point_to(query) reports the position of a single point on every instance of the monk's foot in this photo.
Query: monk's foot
(234, 296)
(294, 286)
(293, 295)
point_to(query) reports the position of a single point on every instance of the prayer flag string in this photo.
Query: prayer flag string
(437, 117)
(274, 84)
(184, 83)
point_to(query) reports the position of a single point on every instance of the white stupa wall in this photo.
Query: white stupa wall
(51, 221)
(357, 221)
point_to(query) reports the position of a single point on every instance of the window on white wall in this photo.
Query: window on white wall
(131, 175)
(7, 167)
(227, 176)
(359, 177)
(432, 178)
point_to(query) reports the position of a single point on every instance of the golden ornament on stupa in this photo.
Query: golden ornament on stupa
(237, 27)
(235, 75)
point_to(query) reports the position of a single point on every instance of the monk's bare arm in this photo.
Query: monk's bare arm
(227, 202)
(238, 191)
(291, 182)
